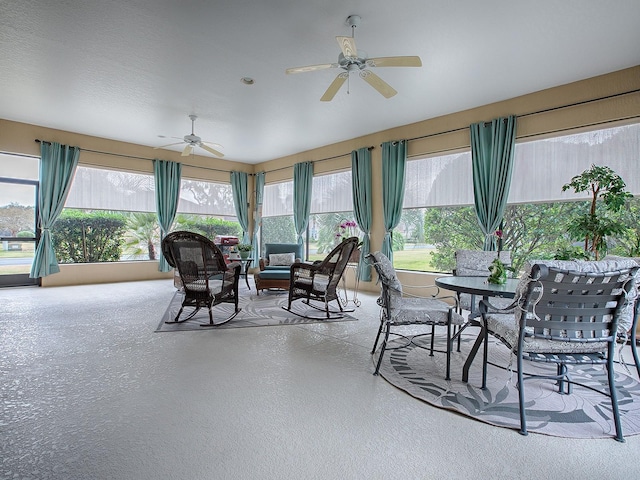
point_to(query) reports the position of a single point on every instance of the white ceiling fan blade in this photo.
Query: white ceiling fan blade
(311, 68)
(394, 62)
(211, 150)
(376, 82)
(187, 150)
(348, 46)
(334, 87)
(169, 145)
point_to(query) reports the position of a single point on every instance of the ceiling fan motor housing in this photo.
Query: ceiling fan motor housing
(193, 139)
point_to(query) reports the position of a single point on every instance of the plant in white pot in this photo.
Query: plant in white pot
(245, 250)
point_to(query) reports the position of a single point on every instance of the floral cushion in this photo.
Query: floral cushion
(281, 259)
(407, 310)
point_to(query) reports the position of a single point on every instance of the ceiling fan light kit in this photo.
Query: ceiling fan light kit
(353, 60)
(192, 140)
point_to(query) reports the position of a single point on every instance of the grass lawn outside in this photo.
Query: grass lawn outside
(416, 259)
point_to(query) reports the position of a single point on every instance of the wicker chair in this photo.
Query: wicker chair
(206, 278)
(565, 313)
(398, 310)
(318, 282)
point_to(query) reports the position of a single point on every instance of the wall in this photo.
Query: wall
(587, 104)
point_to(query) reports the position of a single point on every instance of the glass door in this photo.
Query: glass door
(18, 232)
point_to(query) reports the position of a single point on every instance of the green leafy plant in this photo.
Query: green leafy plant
(608, 195)
(88, 237)
(244, 247)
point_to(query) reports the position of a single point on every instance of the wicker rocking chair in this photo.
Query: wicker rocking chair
(207, 279)
(318, 282)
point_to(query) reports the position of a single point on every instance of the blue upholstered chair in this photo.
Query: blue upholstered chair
(275, 265)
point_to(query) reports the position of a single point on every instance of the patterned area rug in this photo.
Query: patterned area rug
(257, 311)
(582, 414)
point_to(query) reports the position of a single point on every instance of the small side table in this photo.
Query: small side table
(244, 269)
(345, 300)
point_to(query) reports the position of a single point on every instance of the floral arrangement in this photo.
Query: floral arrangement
(345, 230)
(499, 236)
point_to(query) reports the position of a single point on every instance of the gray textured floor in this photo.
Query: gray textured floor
(89, 391)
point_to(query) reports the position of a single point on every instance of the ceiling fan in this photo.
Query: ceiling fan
(353, 60)
(192, 141)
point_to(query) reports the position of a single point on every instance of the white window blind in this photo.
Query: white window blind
(332, 193)
(542, 167)
(100, 189)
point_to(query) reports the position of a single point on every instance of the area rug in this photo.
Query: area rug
(582, 414)
(257, 311)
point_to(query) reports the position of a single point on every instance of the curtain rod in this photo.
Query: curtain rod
(314, 161)
(141, 158)
(551, 109)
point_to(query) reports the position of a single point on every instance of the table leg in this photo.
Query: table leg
(472, 355)
(246, 272)
(483, 338)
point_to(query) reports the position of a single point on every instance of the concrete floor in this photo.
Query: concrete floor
(89, 391)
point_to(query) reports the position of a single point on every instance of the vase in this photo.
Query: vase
(244, 255)
(497, 272)
(355, 256)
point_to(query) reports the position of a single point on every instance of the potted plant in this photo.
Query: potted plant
(594, 226)
(245, 250)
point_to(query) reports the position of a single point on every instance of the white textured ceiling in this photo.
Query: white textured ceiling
(132, 70)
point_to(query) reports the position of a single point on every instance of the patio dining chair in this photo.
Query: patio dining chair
(475, 263)
(398, 309)
(565, 313)
(207, 279)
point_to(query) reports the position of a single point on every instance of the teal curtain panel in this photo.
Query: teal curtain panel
(361, 183)
(492, 147)
(167, 179)
(57, 167)
(394, 161)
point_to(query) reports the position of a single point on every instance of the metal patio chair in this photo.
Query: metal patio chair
(398, 310)
(565, 316)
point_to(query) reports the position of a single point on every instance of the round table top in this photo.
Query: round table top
(478, 286)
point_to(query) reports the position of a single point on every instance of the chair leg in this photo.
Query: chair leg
(613, 394)
(634, 349)
(383, 348)
(485, 354)
(433, 335)
(563, 378)
(523, 413)
(375, 344)
(449, 343)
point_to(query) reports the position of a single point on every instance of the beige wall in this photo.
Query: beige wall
(585, 104)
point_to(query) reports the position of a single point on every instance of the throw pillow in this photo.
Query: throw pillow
(284, 259)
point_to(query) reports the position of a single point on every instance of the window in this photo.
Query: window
(331, 204)
(18, 212)
(439, 216)
(111, 216)
(430, 183)
(277, 214)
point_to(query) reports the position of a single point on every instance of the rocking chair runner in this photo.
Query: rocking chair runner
(319, 281)
(205, 275)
